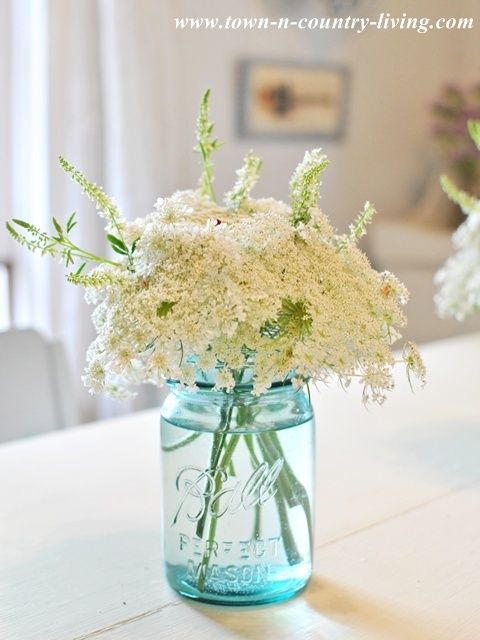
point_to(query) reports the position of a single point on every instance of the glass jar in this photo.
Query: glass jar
(238, 482)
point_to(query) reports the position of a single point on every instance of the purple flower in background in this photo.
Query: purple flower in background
(451, 113)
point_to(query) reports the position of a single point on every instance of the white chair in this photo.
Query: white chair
(36, 394)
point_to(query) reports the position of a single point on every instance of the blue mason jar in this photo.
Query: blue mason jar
(238, 483)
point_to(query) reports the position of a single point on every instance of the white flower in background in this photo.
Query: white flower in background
(200, 288)
(459, 278)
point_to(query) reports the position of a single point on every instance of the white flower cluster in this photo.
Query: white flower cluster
(199, 291)
(459, 279)
(219, 290)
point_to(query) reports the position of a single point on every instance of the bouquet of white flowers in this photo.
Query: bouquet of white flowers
(459, 278)
(243, 302)
(198, 286)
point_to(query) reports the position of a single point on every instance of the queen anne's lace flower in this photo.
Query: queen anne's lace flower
(459, 278)
(198, 290)
(245, 289)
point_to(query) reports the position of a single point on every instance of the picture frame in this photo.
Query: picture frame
(280, 99)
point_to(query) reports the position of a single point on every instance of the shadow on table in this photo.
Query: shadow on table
(88, 586)
(325, 610)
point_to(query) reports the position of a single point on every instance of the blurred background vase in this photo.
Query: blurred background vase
(238, 478)
(455, 106)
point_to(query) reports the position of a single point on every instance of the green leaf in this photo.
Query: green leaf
(293, 318)
(11, 230)
(119, 250)
(164, 308)
(21, 223)
(58, 227)
(67, 256)
(474, 130)
(117, 243)
(80, 268)
(465, 201)
(71, 222)
(134, 245)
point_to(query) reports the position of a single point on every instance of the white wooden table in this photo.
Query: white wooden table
(398, 526)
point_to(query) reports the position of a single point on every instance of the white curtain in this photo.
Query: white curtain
(90, 81)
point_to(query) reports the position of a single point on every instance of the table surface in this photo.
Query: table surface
(397, 552)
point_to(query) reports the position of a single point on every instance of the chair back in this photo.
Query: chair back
(36, 393)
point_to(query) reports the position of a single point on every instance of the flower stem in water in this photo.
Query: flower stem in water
(217, 447)
(227, 456)
(291, 551)
(294, 491)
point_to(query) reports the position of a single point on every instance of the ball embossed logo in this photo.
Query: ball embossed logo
(197, 488)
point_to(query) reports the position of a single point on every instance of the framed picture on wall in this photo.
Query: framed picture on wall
(291, 99)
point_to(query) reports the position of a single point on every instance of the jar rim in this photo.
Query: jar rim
(245, 386)
(206, 381)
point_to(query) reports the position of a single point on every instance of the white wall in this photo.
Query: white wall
(5, 190)
(385, 153)
(394, 76)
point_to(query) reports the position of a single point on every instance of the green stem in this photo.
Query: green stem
(181, 443)
(296, 493)
(227, 456)
(255, 463)
(217, 447)
(81, 253)
(290, 490)
(207, 178)
(273, 454)
(291, 551)
(231, 469)
(257, 521)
